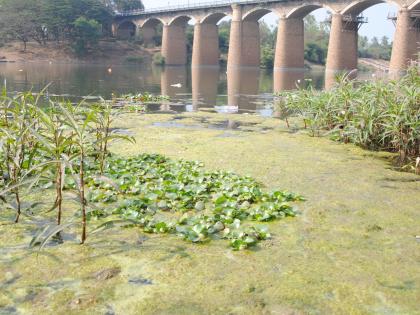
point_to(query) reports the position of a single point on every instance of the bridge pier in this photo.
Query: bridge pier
(251, 50)
(290, 48)
(342, 48)
(206, 45)
(174, 45)
(235, 56)
(235, 38)
(286, 80)
(204, 86)
(406, 41)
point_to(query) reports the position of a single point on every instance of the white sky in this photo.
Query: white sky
(378, 24)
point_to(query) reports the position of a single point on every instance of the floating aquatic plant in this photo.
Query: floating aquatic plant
(180, 197)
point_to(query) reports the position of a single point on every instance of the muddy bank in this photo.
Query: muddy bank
(107, 51)
(352, 249)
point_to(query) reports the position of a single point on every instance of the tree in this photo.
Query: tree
(19, 19)
(267, 35)
(87, 33)
(376, 49)
(126, 5)
(316, 40)
(315, 53)
(224, 34)
(267, 57)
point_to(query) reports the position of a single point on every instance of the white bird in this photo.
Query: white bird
(178, 85)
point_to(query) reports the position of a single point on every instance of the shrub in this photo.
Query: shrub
(267, 57)
(158, 59)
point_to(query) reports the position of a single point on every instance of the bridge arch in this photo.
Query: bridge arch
(152, 22)
(151, 30)
(256, 14)
(415, 5)
(180, 20)
(251, 39)
(213, 18)
(126, 29)
(303, 10)
(207, 42)
(357, 7)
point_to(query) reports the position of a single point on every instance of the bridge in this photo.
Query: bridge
(244, 42)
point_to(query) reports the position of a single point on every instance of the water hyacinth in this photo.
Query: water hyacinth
(163, 196)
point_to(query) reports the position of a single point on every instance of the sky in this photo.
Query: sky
(378, 24)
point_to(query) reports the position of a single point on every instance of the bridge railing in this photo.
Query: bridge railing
(198, 5)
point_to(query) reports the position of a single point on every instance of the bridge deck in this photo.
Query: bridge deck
(197, 6)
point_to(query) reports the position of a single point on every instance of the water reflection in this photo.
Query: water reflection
(243, 87)
(204, 86)
(288, 80)
(236, 90)
(174, 81)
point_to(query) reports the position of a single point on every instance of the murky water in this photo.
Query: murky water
(189, 90)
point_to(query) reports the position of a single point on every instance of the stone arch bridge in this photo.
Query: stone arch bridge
(244, 42)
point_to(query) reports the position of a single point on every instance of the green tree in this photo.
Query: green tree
(87, 33)
(316, 40)
(267, 57)
(126, 5)
(224, 34)
(20, 20)
(268, 35)
(315, 53)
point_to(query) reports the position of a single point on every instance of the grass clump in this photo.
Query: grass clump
(135, 59)
(137, 102)
(376, 114)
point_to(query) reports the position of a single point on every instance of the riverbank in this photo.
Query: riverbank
(351, 250)
(106, 51)
(120, 52)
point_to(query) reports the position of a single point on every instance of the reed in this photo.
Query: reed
(375, 114)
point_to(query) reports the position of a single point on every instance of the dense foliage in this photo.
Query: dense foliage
(374, 48)
(125, 5)
(376, 114)
(82, 22)
(62, 150)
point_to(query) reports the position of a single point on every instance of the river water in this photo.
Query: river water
(188, 89)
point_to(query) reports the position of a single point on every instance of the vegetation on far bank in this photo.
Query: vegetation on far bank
(81, 22)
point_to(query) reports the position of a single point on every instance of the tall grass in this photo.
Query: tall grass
(44, 143)
(376, 114)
